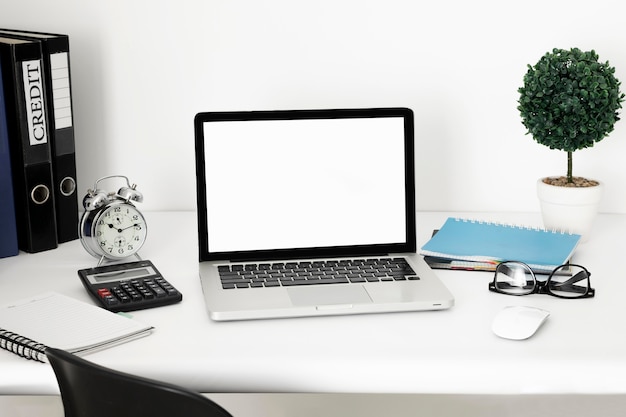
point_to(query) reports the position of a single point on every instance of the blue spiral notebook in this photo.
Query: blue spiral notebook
(479, 241)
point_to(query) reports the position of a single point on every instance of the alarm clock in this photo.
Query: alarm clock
(111, 226)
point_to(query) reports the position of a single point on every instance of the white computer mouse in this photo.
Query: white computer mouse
(518, 322)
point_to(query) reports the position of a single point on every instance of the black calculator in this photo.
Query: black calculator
(129, 286)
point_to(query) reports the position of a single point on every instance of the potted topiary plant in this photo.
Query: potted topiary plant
(569, 101)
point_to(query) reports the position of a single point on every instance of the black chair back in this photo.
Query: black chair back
(91, 390)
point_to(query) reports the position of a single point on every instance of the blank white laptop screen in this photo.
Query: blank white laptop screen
(304, 183)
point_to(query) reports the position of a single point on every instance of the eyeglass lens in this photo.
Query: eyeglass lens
(514, 278)
(569, 281)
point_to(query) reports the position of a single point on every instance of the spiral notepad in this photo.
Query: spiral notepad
(28, 327)
(479, 241)
(22, 346)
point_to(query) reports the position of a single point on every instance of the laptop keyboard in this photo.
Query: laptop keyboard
(258, 275)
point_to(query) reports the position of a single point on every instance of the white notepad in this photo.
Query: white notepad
(28, 326)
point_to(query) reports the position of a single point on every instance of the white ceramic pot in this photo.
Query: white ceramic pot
(569, 209)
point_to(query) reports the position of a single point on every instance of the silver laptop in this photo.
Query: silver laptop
(309, 213)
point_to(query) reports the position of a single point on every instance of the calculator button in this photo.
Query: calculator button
(170, 291)
(123, 298)
(104, 292)
(106, 297)
(158, 291)
(110, 301)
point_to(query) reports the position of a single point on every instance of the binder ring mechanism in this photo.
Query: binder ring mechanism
(40, 194)
(67, 186)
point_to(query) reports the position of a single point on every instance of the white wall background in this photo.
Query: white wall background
(143, 68)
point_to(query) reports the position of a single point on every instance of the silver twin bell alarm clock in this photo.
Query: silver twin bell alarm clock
(111, 226)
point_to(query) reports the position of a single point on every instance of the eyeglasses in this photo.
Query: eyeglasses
(566, 281)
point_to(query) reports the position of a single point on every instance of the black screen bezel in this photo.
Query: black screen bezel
(314, 252)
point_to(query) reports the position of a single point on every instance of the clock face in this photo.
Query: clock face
(119, 231)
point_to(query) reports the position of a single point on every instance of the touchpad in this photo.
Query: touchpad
(328, 295)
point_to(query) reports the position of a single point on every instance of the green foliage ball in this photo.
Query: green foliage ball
(569, 100)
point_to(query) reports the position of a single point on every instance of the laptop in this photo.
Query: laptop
(309, 213)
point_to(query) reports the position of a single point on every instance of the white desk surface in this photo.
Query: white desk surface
(581, 349)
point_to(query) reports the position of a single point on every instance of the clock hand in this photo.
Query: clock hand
(118, 230)
(132, 225)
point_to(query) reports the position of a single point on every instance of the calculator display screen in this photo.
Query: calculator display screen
(121, 275)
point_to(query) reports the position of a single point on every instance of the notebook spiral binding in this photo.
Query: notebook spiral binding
(22, 346)
(518, 226)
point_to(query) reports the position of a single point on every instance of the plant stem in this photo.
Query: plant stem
(569, 167)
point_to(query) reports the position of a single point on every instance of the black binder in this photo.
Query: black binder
(26, 114)
(56, 62)
(8, 230)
